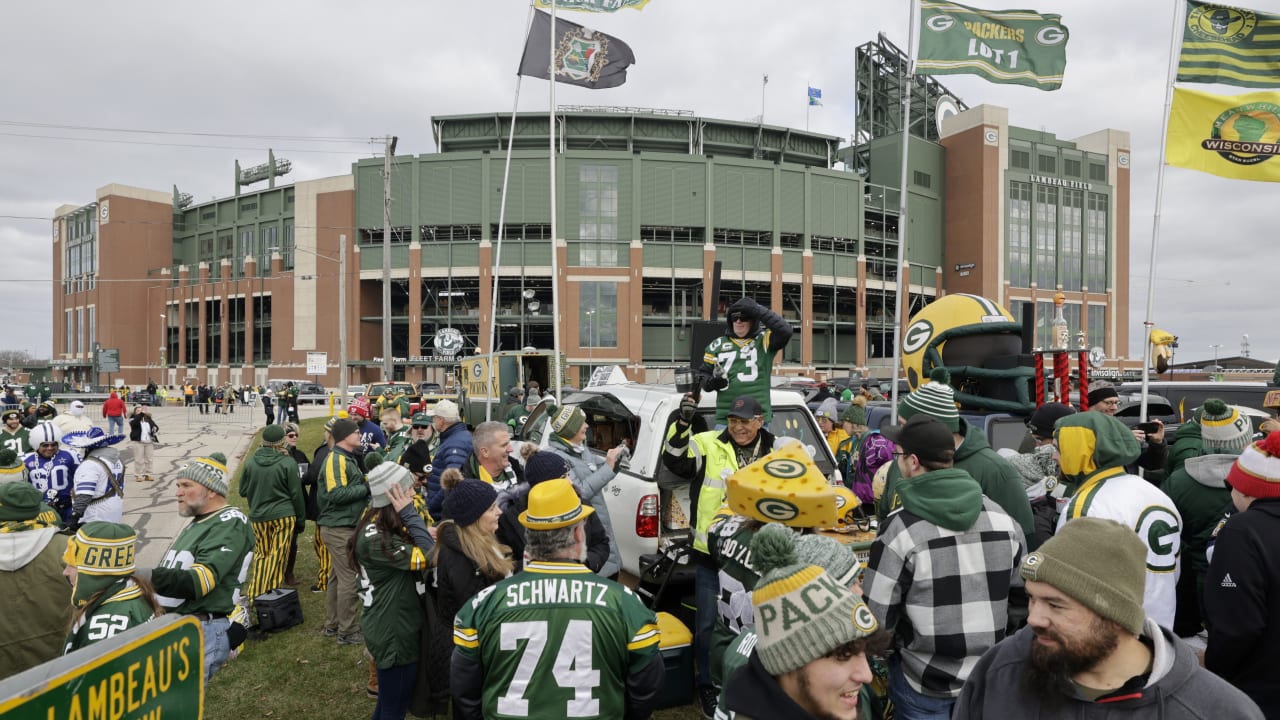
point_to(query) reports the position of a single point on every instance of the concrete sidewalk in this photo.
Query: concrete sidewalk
(150, 507)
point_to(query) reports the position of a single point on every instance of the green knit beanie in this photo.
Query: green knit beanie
(1224, 428)
(801, 612)
(273, 437)
(935, 398)
(11, 466)
(856, 413)
(18, 501)
(210, 472)
(1102, 564)
(567, 421)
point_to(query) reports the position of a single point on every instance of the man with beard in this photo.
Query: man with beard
(13, 435)
(203, 569)
(1089, 649)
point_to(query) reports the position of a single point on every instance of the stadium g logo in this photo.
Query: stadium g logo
(1221, 24)
(1051, 35)
(777, 509)
(1159, 529)
(940, 23)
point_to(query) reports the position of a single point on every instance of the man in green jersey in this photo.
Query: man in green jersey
(203, 570)
(13, 435)
(342, 496)
(741, 361)
(555, 640)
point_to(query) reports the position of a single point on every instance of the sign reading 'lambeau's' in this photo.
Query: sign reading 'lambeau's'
(153, 671)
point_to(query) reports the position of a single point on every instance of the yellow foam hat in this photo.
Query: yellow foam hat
(783, 486)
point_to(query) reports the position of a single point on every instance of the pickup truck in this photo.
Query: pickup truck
(648, 506)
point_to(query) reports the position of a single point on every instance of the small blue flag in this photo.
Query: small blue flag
(815, 96)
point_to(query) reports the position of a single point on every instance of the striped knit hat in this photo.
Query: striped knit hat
(210, 472)
(802, 613)
(1223, 427)
(935, 398)
(1256, 472)
(11, 468)
(567, 421)
(102, 548)
(382, 475)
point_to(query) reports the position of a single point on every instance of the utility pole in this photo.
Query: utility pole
(342, 318)
(389, 149)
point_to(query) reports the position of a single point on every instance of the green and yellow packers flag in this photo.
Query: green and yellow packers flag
(1231, 46)
(592, 5)
(1022, 47)
(584, 57)
(1233, 136)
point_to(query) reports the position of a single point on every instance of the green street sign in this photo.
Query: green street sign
(152, 671)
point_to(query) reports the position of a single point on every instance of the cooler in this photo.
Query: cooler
(278, 609)
(676, 647)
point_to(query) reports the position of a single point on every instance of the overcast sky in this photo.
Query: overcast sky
(327, 69)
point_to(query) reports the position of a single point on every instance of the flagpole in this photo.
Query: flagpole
(497, 252)
(556, 317)
(1148, 324)
(763, 83)
(808, 104)
(904, 284)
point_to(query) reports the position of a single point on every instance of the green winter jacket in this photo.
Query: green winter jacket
(996, 477)
(270, 481)
(1199, 491)
(342, 493)
(1186, 444)
(949, 498)
(37, 598)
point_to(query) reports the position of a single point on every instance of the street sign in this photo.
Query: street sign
(109, 360)
(317, 363)
(153, 670)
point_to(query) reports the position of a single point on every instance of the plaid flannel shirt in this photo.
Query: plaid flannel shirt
(944, 593)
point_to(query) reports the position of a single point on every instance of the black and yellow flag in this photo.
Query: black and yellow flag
(1231, 46)
(1233, 136)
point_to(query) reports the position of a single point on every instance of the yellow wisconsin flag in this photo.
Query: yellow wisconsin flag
(1233, 136)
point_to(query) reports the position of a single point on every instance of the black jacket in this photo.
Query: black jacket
(135, 427)
(1242, 603)
(311, 481)
(458, 578)
(753, 693)
(511, 532)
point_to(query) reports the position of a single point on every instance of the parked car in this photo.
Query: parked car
(430, 388)
(649, 507)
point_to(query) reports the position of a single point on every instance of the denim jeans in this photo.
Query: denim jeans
(706, 586)
(911, 705)
(216, 646)
(395, 690)
(115, 425)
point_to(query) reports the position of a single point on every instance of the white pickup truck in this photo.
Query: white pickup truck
(647, 504)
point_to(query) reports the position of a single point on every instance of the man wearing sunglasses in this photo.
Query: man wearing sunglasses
(51, 469)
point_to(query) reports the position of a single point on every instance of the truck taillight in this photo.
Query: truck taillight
(647, 517)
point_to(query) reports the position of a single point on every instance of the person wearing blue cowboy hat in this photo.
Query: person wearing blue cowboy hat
(99, 479)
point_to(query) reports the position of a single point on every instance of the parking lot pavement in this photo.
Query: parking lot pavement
(185, 434)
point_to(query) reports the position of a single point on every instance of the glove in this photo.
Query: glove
(748, 308)
(688, 408)
(73, 523)
(717, 381)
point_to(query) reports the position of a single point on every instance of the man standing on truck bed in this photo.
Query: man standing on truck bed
(741, 361)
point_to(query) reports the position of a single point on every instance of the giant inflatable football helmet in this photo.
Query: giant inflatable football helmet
(979, 343)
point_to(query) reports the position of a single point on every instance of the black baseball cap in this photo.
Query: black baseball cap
(745, 407)
(924, 436)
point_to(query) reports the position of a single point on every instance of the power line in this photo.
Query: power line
(318, 138)
(186, 145)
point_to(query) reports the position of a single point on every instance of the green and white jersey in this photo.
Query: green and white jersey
(396, 444)
(391, 588)
(207, 563)
(729, 540)
(15, 440)
(747, 364)
(122, 609)
(556, 641)
(516, 417)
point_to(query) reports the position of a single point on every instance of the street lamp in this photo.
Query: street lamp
(530, 302)
(1215, 356)
(591, 341)
(164, 338)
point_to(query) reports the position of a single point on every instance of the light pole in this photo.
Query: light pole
(1215, 357)
(164, 338)
(591, 342)
(529, 302)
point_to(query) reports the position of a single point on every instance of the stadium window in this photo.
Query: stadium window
(921, 179)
